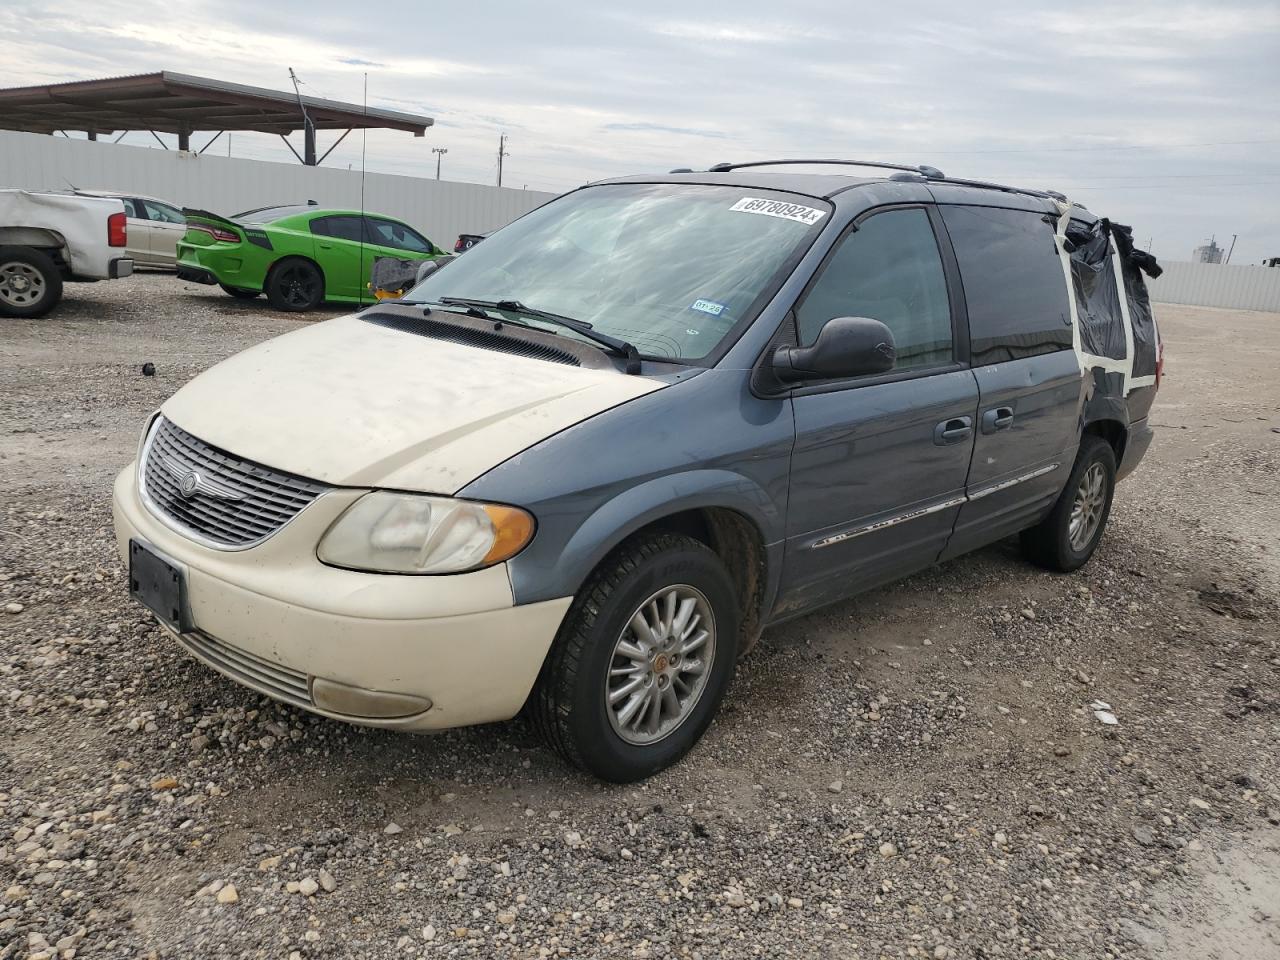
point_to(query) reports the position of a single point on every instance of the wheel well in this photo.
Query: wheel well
(295, 256)
(738, 542)
(1112, 431)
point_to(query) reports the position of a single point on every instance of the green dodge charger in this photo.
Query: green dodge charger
(299, 256)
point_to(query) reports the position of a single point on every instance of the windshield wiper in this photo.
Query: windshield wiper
(615, 345)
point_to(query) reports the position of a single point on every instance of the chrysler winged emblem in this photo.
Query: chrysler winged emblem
(191, 481)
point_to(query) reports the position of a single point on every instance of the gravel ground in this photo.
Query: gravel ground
(916, 773)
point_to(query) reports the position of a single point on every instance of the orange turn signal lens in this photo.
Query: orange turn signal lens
(512, 531)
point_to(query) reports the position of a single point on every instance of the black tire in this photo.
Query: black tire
(240, 293)
(568, 704)
(295, 285)
(30, 282)
(1049, 544)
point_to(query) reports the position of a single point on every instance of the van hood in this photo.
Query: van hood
(350, 403)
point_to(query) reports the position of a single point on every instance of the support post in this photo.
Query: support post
(184, 137)
(308, 142)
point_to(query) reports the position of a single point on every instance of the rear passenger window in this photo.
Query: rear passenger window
(1013, 282)
(888, 269)
(340, 228)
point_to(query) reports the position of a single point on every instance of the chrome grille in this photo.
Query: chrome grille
(226, 502)
(270, 678)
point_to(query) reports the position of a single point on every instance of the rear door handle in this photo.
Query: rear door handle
(997, 418)
(953, 430)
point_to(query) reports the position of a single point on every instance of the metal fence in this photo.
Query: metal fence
(1215, 285)
(439, 208)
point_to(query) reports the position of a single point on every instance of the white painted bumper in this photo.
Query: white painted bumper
(276, 619)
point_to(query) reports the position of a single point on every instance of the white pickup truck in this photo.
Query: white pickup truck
(49, 238)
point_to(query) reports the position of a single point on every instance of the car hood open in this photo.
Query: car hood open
(354, 404)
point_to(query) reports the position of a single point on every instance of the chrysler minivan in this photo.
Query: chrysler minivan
(580, 470)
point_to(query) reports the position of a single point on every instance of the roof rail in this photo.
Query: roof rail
(932, 173)
(929, 173)
(1005, 188)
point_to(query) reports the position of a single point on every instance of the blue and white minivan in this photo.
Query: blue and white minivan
(580, 470)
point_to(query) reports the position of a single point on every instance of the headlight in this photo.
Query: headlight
(413, 533)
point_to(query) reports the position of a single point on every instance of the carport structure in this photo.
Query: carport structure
(182, 104)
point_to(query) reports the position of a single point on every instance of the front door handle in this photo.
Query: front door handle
(997, 418)
(953, 430)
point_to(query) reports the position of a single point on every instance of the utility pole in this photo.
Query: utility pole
(308, 128)
(1233, 246)
(439, 152)
(502, 152)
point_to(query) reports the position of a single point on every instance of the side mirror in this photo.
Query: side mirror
(846, 347)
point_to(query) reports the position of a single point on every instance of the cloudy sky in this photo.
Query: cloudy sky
(1164, 115)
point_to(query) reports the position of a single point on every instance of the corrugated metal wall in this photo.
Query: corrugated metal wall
(1240, 286)
(440, 209)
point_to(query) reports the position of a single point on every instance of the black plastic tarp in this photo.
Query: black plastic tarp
(1097, 295)
(1133, 264)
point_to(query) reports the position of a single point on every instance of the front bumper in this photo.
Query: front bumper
(436, 651)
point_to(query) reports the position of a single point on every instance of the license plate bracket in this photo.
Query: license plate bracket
(159, 585)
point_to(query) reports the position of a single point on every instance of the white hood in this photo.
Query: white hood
(354, 404)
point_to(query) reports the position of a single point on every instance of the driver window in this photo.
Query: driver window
(888, 269)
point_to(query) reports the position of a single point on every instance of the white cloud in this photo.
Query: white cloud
(589, 90)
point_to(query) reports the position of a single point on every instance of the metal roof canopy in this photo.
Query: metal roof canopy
(182, 104)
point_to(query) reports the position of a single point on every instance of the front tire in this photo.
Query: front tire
(642, 661)
(295, 285)
(30, 283)
(1066, 538)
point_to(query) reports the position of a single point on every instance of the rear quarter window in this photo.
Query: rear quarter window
(1013, 282)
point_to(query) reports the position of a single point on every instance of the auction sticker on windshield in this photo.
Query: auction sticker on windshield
(778, 208)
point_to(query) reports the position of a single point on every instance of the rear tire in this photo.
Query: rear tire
(295, 285)
(1066, 538)
(30, 282)
(602, 659)
(239, 293)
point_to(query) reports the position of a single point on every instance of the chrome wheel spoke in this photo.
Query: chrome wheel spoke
(694, 642)
(628, 712)
(696, 667)
(626, 690)
(629, 650)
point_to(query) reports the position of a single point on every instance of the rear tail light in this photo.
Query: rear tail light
(459, 246)
(218, 233)
(116, 230)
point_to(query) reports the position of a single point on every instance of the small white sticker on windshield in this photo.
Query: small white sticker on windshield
(777, 208)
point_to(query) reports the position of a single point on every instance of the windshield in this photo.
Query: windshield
(671, 268)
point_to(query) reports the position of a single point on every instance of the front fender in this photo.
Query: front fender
(559, 561)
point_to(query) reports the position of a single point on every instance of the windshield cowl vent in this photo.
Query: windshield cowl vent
(467, 335)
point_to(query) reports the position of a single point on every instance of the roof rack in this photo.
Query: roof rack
(932, 173)
(925, 171)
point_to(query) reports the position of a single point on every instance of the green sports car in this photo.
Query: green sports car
(299, 256)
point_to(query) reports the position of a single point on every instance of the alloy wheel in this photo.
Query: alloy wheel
(660, 665)
(1086, 510)
(298, 285)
